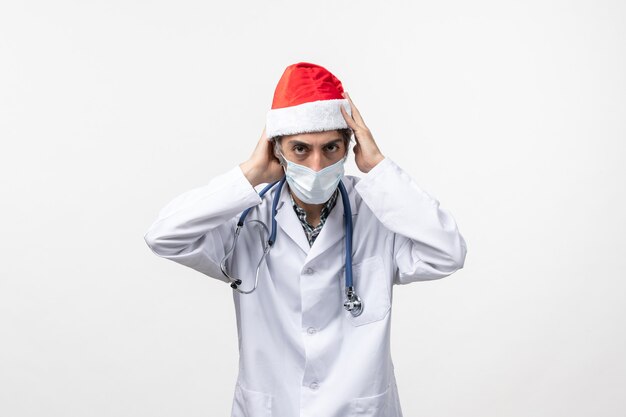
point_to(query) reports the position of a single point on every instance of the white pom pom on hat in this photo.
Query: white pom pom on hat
(306, 99)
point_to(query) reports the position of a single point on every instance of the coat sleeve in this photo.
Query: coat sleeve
(427, 244)
(196, 227)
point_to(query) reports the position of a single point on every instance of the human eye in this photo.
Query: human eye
(332, 147)
(299, 149)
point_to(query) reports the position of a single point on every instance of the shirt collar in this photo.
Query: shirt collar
(328, 206)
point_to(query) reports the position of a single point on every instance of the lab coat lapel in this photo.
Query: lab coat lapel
(288, 220)
(333, 230)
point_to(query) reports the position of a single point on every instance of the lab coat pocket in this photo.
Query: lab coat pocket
(372, 286)
(248, 403)
(374, 406)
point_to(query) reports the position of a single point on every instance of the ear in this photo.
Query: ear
(277, 148)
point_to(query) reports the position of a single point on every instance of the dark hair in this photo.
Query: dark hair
(346, 135)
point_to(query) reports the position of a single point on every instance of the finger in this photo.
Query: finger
(351, 123)
(355, 112)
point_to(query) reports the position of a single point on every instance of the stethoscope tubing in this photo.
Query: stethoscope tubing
(353, 302)
(347, 214)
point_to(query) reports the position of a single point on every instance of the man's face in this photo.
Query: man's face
(314, 150)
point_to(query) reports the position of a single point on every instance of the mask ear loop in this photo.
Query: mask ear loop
(281, 158)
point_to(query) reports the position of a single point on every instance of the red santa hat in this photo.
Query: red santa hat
(306, 99)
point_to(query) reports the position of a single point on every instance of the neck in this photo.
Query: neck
(313, 211)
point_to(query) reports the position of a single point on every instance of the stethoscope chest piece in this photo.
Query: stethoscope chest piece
(353, 302)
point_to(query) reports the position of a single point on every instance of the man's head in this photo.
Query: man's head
(315, 150)
(309, 130)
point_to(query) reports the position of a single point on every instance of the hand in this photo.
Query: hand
(263, 166)
(366, 152)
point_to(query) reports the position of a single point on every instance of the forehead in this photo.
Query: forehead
(313, 138)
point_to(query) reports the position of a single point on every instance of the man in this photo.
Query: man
(304, 349)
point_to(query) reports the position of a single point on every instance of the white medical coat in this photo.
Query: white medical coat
(301, 354)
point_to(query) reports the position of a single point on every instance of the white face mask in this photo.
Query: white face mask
(314, 187)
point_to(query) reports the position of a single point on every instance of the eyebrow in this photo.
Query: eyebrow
(297, 142)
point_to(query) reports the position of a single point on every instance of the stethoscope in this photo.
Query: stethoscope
(353, 302)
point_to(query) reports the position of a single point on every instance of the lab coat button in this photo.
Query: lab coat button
(308, 271)
(311, 330)
(314, 385)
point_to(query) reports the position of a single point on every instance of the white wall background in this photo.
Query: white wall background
(512, 114)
